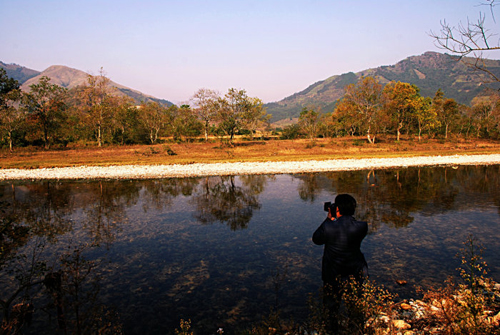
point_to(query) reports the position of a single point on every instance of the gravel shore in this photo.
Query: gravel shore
(245, 168)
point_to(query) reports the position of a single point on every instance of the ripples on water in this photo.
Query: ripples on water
(224, 251)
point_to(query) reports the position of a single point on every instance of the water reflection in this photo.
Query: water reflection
(220, 199)
(222, 251)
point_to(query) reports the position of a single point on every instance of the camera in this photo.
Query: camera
(328, 205)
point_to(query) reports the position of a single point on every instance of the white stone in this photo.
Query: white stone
(401, 324)
(215, 169)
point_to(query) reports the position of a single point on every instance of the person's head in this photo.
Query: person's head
(346, 204)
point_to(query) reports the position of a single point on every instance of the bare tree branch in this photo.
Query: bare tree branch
(470, 41)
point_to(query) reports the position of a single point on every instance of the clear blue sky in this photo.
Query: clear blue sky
(270, 48)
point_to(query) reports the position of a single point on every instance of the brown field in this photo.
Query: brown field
(243, 150)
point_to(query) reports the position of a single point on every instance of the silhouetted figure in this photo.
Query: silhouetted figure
(343, 260)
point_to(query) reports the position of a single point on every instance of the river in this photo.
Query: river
(224, 251)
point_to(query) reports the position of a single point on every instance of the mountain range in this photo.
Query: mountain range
(430, 71)
(69, 78)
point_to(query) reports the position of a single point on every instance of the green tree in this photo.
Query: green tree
(290, 132)
(483, 118)
(11, 115)
(45, 104)
(185, 122)
(126, 122)
(308, 122)
(450, 115)
(424, 116)
(231, 111)
(256, 116)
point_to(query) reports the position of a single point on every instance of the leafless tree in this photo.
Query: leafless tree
(470, 41)
(204, 101)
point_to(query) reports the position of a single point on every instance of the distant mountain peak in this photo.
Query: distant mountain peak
(60, 75)
(69, 78)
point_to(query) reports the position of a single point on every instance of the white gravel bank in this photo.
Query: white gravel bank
(196, 170)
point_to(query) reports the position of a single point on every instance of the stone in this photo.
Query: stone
(496, 320)
(401, 324)
(405, 306)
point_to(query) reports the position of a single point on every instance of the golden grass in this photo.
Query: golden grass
(215, 152)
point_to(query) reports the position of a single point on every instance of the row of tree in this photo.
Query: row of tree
(369, 109)
(49, 114)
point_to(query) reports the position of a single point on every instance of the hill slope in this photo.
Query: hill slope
(18, 72)
(430, 72)
(69, 78)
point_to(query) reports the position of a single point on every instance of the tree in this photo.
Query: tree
(45, 104)
(363, 102)
(126, 122)
(205, 102)
(485, 118)
(290, 132)
(7, 85)
(424, 116)
(10, 113)
(185, 122)
(256, 115)
(345, 122)
(231, 111)
(98, 104)
(308, 122)
(470, 41)
(446, 110)
(153, 117)
(326, 126)
(401, 100)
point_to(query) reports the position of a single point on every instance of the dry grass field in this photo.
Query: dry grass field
(242, 150)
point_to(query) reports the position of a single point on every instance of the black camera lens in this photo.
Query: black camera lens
(326, 206)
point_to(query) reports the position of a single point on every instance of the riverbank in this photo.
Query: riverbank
(241, 168)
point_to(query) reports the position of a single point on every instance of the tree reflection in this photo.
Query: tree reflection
(104, 205)
(68, 291)
(39, 209)
(308, 189)
(33, 218)
(221, 199)
(393, 196)
(160, 193)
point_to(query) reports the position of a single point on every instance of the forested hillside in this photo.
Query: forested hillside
(18, 72)
(429, 72)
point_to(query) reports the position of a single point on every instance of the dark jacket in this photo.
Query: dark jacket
(342, 239)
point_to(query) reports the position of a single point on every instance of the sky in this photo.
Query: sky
(269, 48)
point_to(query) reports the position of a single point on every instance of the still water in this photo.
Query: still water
(225, 251)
